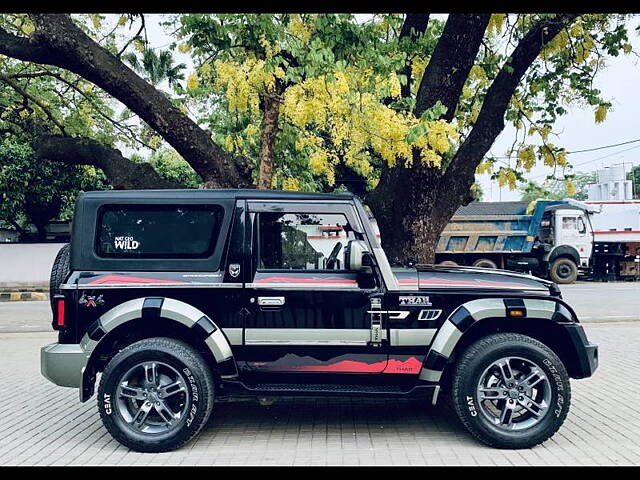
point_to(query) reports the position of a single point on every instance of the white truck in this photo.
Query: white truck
(616, 239)
(555, 239)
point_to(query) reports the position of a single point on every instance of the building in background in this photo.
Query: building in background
(612, 185)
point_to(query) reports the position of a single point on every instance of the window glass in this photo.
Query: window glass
(582, 228)
(303, 241)
(569, 223)
(158, 231)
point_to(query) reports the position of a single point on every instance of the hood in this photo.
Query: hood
(471, 278)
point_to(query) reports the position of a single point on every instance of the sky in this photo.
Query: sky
(619, 83)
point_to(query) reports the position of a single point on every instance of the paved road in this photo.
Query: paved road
(594, 302)
(604, 302)
(25, 317)
(42, 424)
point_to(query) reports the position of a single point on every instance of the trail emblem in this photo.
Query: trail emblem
(415, 300)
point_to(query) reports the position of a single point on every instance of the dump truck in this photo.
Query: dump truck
(550, 239)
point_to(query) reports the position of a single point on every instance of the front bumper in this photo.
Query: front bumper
(586, 353)
(63, 364)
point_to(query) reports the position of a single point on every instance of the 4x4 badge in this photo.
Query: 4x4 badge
(234, 269)
(91, 300)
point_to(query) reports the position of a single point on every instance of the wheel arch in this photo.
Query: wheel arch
(149, 317)
(478, 318)
(566, 251)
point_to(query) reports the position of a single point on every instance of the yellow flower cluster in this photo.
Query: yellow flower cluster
(244, 82)
(551, 156)
(507, 176)
(527, 158)
(486, 166)
(601, 113)
(299, 29)
(340, 120)
(292, 184)
(192, 82)
(495, 23)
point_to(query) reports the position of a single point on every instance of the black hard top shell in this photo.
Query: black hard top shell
(89, 204)
(209, 194)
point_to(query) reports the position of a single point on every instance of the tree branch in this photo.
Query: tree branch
(58, 41)
(126, 45)
(121, 172)
(22, 48)
(35, 100)
(490, 121)
(451, 62)
(413, 26)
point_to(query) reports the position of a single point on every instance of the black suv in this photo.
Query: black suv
(182, 297)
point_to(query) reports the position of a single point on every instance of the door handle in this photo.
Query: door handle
(271, 301)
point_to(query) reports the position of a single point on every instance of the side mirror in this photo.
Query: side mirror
(356, 256)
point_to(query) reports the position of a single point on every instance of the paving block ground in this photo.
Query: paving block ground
(42, 424)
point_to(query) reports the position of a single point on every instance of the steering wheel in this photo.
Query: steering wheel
(331, 261)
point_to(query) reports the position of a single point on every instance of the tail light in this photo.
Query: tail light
(58, 313)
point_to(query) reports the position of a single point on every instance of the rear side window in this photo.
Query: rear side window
(158, 231)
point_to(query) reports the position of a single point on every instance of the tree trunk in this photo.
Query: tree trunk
(268, 133)
(413, 205)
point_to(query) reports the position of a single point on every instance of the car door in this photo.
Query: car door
(308, 313)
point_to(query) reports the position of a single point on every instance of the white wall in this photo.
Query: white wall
(27, 263)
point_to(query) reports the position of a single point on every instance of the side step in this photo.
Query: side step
(235, 387)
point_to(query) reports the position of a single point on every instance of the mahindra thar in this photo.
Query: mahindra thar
(178, 298)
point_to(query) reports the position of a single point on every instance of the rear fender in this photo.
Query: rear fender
(148, 308)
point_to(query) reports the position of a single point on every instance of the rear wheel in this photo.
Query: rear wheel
(485, 263)
(563, 270)
(448, 263)
(511, 391)
(155, 395)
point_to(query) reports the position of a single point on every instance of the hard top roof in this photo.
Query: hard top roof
(205, 194)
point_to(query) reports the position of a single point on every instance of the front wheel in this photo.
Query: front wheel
(511, 391)
(563, 270)
(155, 395)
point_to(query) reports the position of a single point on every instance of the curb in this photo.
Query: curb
(23, 296)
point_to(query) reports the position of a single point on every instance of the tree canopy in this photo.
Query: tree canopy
(400, 109)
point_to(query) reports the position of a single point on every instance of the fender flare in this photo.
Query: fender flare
(148, 308)
(467, 314)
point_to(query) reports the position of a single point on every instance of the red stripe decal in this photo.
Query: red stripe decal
(121, 279)
(302, 280)
(473, 284)
(411, 366)
(350, 366)
(606, 232)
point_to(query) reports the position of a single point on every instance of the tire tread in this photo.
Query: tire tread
(464, 364)
(184, 353)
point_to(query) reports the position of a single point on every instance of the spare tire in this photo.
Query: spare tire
(59, 271)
